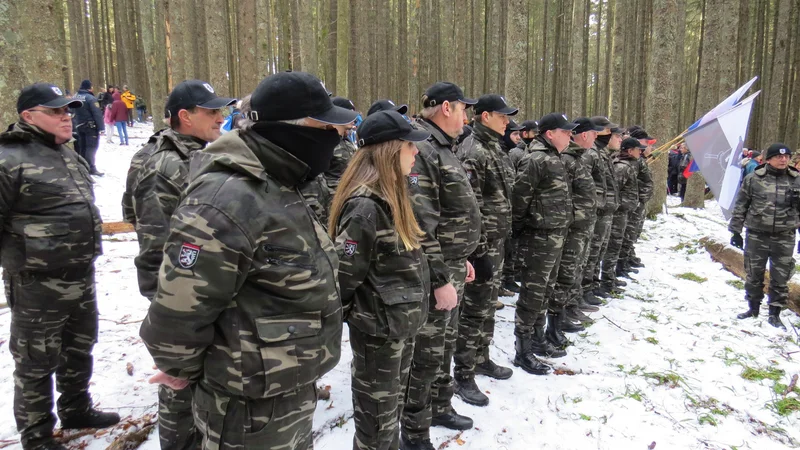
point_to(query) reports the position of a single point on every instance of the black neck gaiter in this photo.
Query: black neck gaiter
(602, 141)
(312, 146)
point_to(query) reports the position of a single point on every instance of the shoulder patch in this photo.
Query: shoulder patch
(350, 247)
(188, 255)
(413, 179)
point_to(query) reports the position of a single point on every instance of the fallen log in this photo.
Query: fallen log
(732, 259)
(117, 227)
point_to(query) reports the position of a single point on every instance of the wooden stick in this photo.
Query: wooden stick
(791, 386)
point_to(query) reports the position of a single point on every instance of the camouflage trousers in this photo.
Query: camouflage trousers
(53, 330)
(778, 249)
(540, 253)
(176, 430)
(611, 257)
(632, 231)
(510, 266)
(379, 380)
(274, 423)
(476, 322)
(570, 269)
(430, 386)
(596, 252)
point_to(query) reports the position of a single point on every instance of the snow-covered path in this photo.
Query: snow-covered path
(666, 363)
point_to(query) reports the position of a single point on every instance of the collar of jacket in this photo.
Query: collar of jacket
(540, 145)
(574, 150)
(485, 134)
(766, 169)
(436, 133)
(184, 144)
(25, 132)
(624, 157)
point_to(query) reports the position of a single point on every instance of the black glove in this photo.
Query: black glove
(737, 241)
(483, 268)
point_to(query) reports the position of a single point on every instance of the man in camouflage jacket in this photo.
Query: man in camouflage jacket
(768, 205)
(541, 214)
(627, 256)
(51, 238)
(492, 177)
(248, 307)
(626, 170)
(448, 214)
(156, 179)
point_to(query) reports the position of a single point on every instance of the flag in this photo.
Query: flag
(716, 146)
(690, 169)
(726, 105)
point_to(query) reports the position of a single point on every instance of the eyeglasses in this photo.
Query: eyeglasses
(55, 112)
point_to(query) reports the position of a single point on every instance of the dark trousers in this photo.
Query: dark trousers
(777, 249)
(683, 190)
(130, 117)
(53, 330)
(88, 141)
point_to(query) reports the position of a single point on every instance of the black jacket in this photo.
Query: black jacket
(88, 116)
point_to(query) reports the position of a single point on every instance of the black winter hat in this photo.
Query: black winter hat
(384, 126)
(86, 84)
(776, 149)
(296, 95)
(46, 95)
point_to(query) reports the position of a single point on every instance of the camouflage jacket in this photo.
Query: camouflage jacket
(384, 287)
(444, 204)
(626, 174)
(318, 197)
(492, 177)
(612, 184)
(156, 178)
(516, 154)
(584, 207)
(542, 199)
(768, 201)
(247, 296)
(645, 181)
(341, 157)
(50, 221)
(594, 161)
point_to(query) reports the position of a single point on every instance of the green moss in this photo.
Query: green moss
(786, 406)
(670, 379)
(651, 340)
(738, 284)
(754, 374)
(691, 277)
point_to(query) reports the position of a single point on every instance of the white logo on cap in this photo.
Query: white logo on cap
(503, 99)
(56, 90)
(391, 102)
(783, 151)
(352, 104)
(565, 117)
(208, 87)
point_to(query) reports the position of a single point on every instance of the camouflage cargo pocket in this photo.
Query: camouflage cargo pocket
(209, 410)
(403, 308)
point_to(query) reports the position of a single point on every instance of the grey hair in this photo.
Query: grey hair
(430, 111)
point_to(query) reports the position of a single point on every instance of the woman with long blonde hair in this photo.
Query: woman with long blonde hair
(383, 274)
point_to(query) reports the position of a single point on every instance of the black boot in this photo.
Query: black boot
(90, 419)
(568, 326)
(541, 347)
(452, 421)
(467, 390)
(635, 262)
(585, 307)
(492, 370)
(775, 317)
(415, 444)
(755, 305)
(608, 290)
(591, 299)
(620, 283)
(526, 359)
(553, 333)
(510, 285)
(576, 315)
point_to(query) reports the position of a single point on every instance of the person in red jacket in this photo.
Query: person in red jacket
(119, 114)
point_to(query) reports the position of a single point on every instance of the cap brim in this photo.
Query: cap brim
(514, 127)
(569, 126)
(468, 101)
(62, 102)
(336, 116)
(416, 136)
(218, 103)
(402, 109)
(509, 111)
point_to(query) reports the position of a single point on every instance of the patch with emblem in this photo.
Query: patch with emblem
(188, 256)
(350, 247)
(56, 90)
(208, 87)
(413, 179)
(469, 175)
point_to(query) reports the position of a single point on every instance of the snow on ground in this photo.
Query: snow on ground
(662, 364)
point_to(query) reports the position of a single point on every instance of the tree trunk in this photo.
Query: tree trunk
(695, 192)
(516, 64)
(308, 37)
(152, 34)
(332, 46)
(658, 170)
(343, 24)
(216, 46)
(246, 41)
(177, 57)
(297, 60)
(781, 57)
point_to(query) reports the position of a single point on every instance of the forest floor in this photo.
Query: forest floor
(666, 365)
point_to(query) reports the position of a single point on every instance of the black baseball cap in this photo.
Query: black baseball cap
(512, 126)
(494, 103)
(384, 126)
(345, 103)
(46, 95)
(386, 105)
(530, 125)
(295, 95)
(585, 124)
(194, 94)
(602, 121)
(640, 133)
(629, 143)
(555, 121)
(443, 91)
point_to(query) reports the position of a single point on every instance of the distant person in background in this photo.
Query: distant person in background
(129, 99)
(108, 121)
(87, 123)
(672, 171)
(119, 113)
(141, 109)
(106, 97)
(754, 161)
(686, 161)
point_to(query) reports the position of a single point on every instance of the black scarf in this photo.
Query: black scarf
(527, 141)
(312, 146)
(602, 141)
